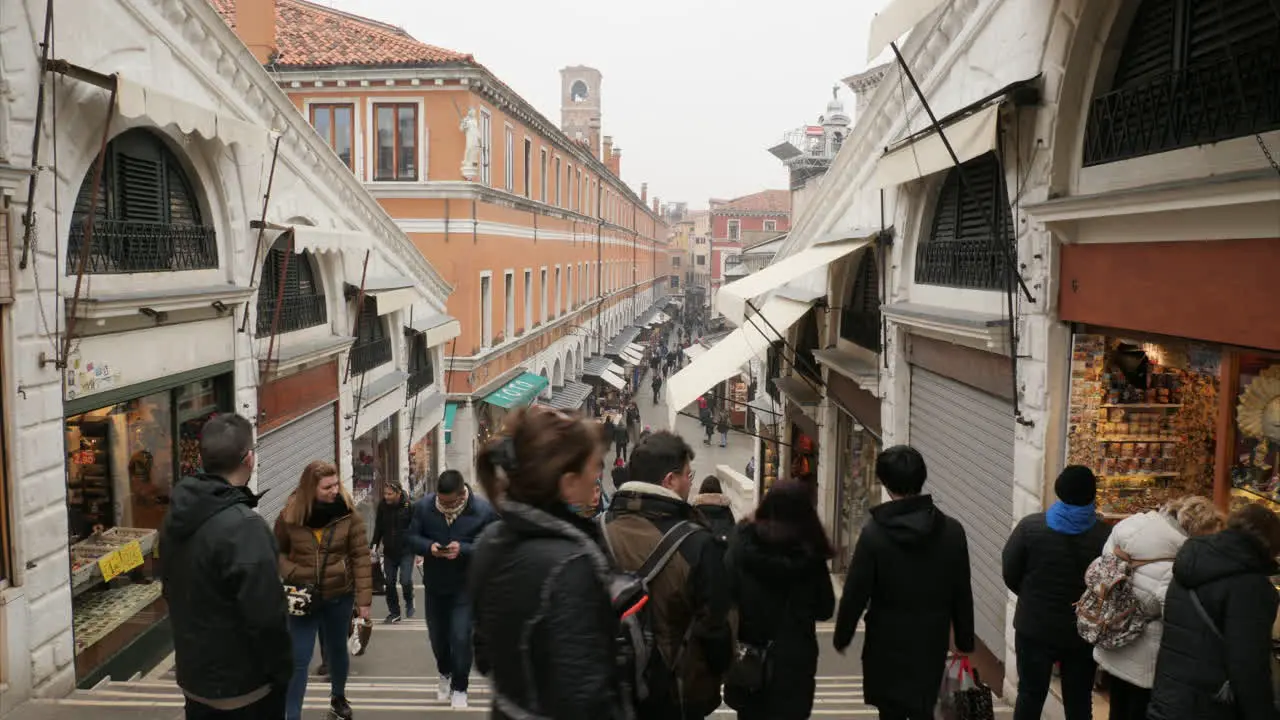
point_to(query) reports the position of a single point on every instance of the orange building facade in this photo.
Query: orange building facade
(550, 255)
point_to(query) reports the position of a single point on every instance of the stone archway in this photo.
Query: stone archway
(557, 373)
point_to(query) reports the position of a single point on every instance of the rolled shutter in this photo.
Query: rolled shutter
(286, 451)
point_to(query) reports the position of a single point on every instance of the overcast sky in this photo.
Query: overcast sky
(694, 91)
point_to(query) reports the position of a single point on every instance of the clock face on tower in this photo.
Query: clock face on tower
(578, 93)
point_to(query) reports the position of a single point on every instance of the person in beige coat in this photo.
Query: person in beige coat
(324, 546)
(1146, 537)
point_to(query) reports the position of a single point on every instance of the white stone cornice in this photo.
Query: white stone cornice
(1245, 188)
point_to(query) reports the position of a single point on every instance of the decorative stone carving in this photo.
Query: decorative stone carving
(470, 128)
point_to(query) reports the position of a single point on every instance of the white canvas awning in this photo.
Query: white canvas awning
(136, 101)
(613, 380)
(894, 21)
(634, 357)
(973, 136)
(437, 327)
(727, 357)
(694, 351)
(392, 293)
(732, 299)
(325, 240)
(637, 347)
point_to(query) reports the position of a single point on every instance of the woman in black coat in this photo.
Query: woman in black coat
(544, 624)
(715, 508)
(1229, 573)
(781, 586)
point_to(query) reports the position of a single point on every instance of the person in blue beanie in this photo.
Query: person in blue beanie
(1044, 564)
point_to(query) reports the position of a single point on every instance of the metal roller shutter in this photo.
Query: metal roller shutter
(284, 452)
(966, 438)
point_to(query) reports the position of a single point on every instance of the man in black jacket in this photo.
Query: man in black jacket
(691, 594)
(1045, 559)
(390, 528)
(222, 583)
(910, 575)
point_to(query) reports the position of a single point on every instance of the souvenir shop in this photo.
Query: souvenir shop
(491, 411)
(126, 447)
(1174, 385)
(424, 465)
(858, 442)
(375, 457)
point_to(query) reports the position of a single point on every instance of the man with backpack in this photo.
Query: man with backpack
(651, 529)
(1045, 560)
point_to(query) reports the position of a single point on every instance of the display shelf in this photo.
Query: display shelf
(98, 615)
(1136, 475)
(85, 571)
(1138, 438)
(1141, 406)
(1253, 495)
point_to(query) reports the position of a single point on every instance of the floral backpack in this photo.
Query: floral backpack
(1109, 614)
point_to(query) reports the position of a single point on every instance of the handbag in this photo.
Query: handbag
(300, 600)
(751, 667)
(963, 696)
(1226, 694)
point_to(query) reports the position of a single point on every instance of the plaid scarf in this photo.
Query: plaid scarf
(451, 512)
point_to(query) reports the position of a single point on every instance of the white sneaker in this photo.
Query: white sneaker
(459, 700)
(442, 690)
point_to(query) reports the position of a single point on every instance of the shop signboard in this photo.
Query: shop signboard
(118, 360)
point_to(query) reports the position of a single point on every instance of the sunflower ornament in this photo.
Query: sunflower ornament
(1258, 411)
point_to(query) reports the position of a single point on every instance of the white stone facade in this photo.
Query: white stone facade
(185, 50)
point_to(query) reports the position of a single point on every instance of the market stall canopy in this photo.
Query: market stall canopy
(597, 365)
(971, 136)
(450, 414)
(617, 382)
(632, 356)
(518, 392)
(392, 292)
(726, 359)
(328, 240)
(693, 352)
(636, 347)
(136, 101)
(896, 20)
(625, 337)
(438, 328)
(569, 397)
(732, 299)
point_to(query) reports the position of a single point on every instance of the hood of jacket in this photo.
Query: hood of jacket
(650, 500)
(1149, 536)
(1203, 560)
(710, 500)
(773, 561)
(909, 521)
(197, 498)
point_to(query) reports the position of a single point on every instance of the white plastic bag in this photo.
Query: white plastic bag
(358, 638)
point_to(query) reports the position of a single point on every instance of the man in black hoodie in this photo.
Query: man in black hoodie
(911, 566)
(222, 582)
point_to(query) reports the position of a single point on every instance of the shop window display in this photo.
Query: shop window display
(1144, 418)
(1256, 470)
(376, 459)
(122, 463)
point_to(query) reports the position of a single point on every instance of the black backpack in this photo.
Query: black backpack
(636, 641)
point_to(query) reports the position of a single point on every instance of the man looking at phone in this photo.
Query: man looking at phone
(444, 526)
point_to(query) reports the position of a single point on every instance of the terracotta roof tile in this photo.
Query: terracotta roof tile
(767, 201)
(310, 35)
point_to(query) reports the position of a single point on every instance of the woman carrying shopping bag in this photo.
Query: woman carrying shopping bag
(324, 550)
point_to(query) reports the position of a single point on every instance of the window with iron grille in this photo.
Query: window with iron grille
(421, 372)
(1190, 72)
(960, 251)
(373, 345)
(807, 340)
(860, 316)
(298, 300)
(147, 219)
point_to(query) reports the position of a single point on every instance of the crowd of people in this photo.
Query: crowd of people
(658, 604)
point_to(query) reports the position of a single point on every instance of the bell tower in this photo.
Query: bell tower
(580, 105)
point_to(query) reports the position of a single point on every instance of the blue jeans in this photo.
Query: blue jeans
(330, 621)
(449, 629)
(401, 568)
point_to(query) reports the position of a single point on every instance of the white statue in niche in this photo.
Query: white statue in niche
(470, 128)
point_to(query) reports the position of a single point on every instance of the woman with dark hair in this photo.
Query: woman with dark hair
(544, 621)
(715, 508)
(323, 546)
(1218, 616)
(780, 584)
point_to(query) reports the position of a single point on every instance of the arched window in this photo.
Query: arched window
(421, 372)
(960, 251)
(147, 216)
(373, 346)
(860, 317)
(1190, 72)
(300, 301)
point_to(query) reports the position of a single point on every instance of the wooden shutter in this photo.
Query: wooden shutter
(183, 209)
(140, 182)
(1150, 47)
(960, 251)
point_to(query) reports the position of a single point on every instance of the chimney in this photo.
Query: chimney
(593, 135)
(606, 155)
(644, 193)
(615, 161)
(657, 205)
(256, 26)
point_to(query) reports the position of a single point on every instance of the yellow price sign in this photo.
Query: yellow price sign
(120, 561)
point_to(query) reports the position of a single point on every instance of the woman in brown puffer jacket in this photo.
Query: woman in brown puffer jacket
(324, 546)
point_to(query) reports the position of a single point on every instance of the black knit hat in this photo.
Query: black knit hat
(1076, 485)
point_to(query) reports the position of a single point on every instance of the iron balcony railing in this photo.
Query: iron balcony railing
(419, 380)
(370, 354)
(297, 312)
(1195, 106)
(121, 246)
